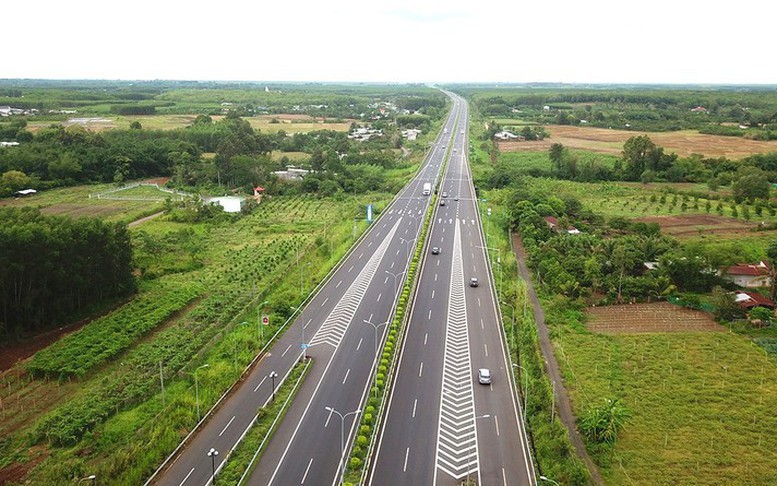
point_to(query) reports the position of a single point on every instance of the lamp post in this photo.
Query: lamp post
(342, 437)
(91, 477)
(525, 389)
(407, 246)
(549, 480)
(213, 453)
(301, 291)
(197, 390)
(396, 289)
(273, 375)
(234, 344)
(376, 326)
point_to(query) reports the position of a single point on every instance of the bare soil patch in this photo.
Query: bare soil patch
(683, 143)
(695, 224)
(649, 318)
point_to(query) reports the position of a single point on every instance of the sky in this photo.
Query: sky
(393, 41)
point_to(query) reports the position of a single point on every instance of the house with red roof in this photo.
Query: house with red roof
(748, 275)
(749, 300)
(553, 225)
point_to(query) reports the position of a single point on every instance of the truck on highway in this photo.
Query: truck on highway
(427, 188)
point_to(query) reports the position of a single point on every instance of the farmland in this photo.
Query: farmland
(238, 265)
(610, 141)
(648, 318)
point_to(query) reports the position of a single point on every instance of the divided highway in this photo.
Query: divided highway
(442, 426)
(343, 324)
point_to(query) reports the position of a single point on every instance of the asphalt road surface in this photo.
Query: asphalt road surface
(343, 325)
(442, 425)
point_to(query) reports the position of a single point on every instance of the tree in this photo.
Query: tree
(135, 125)
(601, 424)
(771, 254)
(14, 180)
(726, 307)
(750, 185)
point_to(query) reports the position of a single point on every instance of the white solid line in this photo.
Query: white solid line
(227, 426)
(260, 383)
(360, 344)
(346, 375)
(407, 453)
(187, 477)
(415, 403)
(287, 350)
(328, 418)
(306, 471)
(496, 424)
(421, 369)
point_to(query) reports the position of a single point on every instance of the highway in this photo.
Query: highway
(442, 426)
(343, 326)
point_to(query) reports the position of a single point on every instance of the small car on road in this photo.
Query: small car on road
(473, 282)
(484, 376)
(442, 202)
(444, 194)
(435, 250)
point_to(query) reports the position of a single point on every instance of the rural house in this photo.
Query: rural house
(749, 300)
(230, 204)
(748, 275)
(505, 135)
(553, 225)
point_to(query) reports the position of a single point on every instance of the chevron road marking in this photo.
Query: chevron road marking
(457, 453)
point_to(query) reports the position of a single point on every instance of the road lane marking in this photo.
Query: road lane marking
(438, 263)
(407, 453)
(328, 418)
(482, 325)
(392, 264)
(496, 424)
(433, 293)
(426, 337)
(415, 404)
(479, 302)
(504, 477)
(338, 284)
(435, 277)
(307, 323)
(227, 426)
(306, 471)
(430, 315)
(349, 270)
(348, 372)
(485, 346)
(421, 369)
(379, 295)
(385, 281)
(324, 302)
(398, 252)
(287, 350)
(362, 254)
(369, 245)
(187, 477)
(260, 383)
(360, 344)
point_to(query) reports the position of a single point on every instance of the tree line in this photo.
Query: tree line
(52, 266)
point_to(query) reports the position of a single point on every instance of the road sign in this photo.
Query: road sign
(266, 320)
(369, 213)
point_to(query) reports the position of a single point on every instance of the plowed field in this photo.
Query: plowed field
(649, 318)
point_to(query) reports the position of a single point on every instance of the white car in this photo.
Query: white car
(473, 282)
(484, 376)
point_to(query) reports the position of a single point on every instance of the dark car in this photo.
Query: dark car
(435, 250)
(442, 202)
(473, 282)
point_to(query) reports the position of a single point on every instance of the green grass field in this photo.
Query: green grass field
(702, 405)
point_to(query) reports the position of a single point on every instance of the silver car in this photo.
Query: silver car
(484, 376)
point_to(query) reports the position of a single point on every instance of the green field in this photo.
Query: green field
(702, 405)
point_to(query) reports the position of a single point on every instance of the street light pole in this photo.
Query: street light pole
(525, 389)
(396, 289)
(197, 390)
(213, 453)
(549, 480)
(342, 437)
(273, 375)
(407, 246)
(376, 326)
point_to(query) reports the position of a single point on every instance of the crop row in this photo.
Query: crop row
(109, 335)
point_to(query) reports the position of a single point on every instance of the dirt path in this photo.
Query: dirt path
(147, 218)
(563, 405)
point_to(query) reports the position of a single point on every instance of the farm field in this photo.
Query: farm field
(701, 404)
(684, 143)
(648, 318)
(79, 201)
(110, 409)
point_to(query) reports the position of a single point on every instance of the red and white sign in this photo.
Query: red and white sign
(266, 320)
